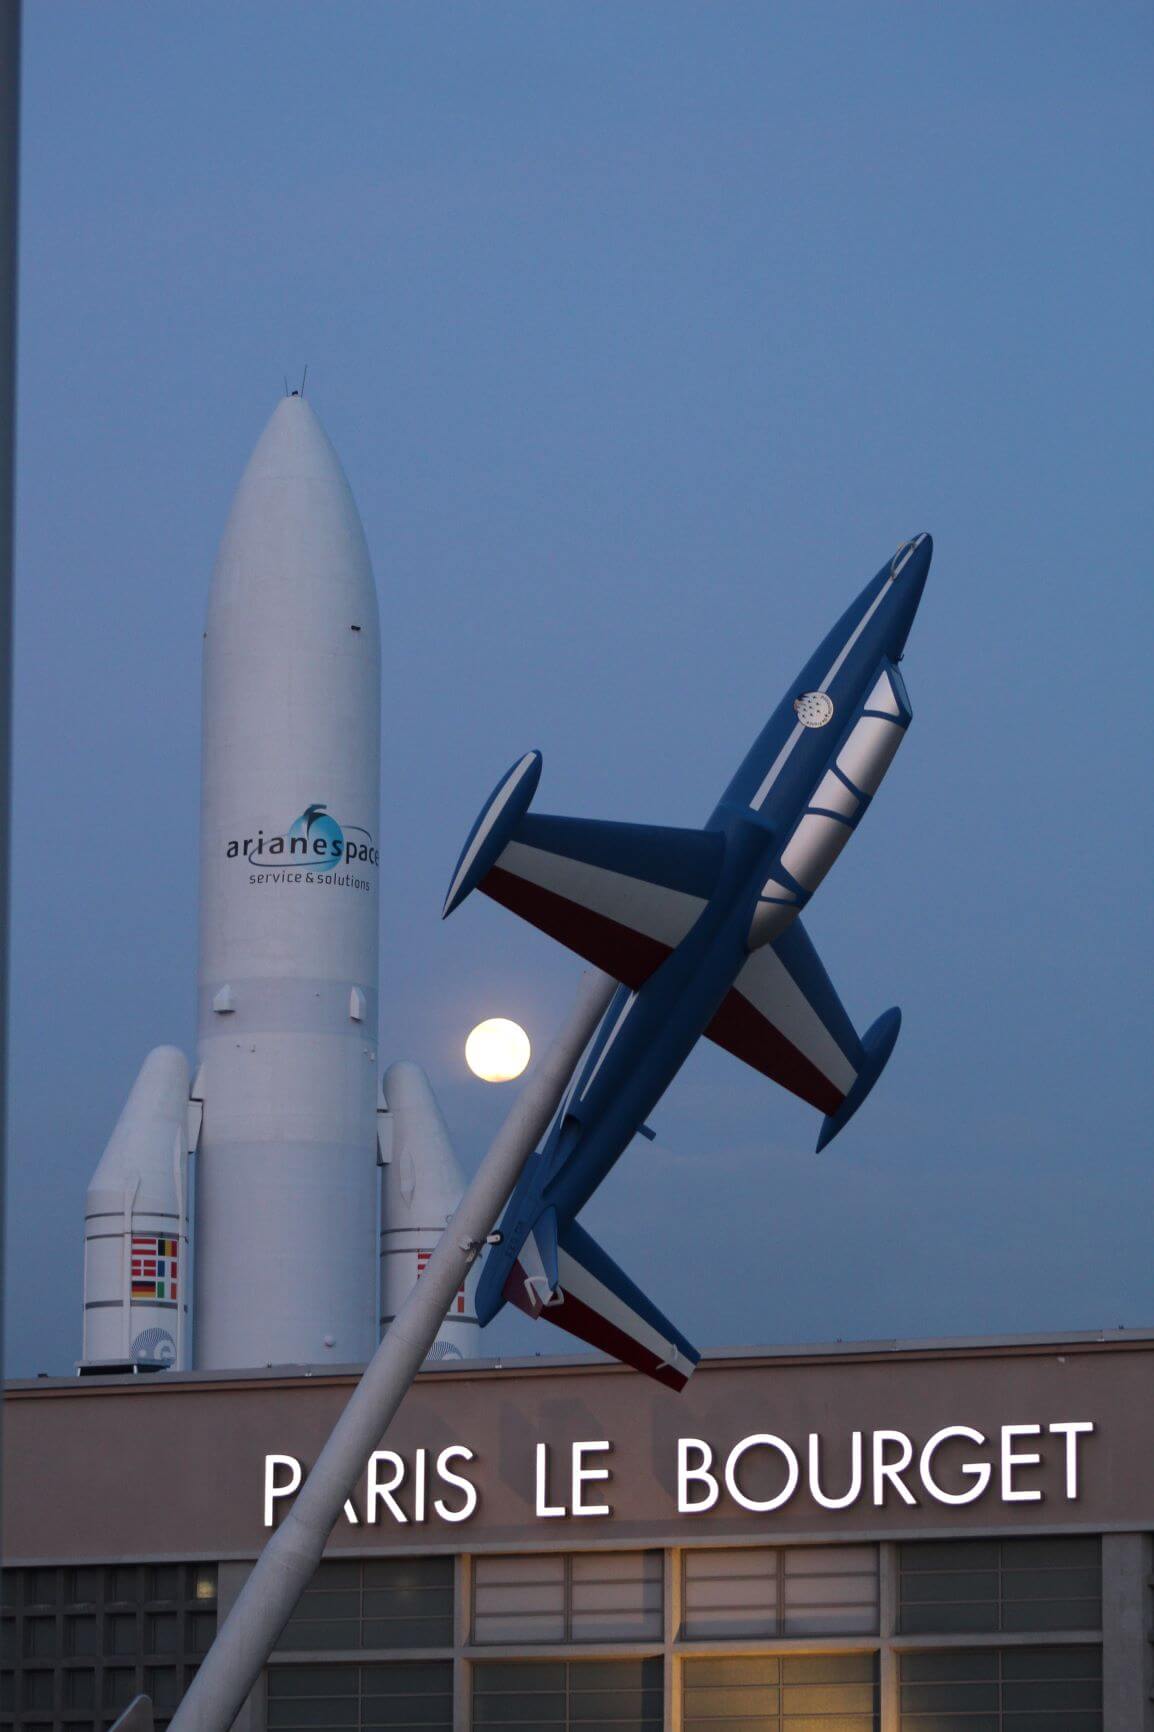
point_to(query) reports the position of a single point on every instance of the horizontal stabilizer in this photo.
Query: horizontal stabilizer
(623, 896)
(595, 1300)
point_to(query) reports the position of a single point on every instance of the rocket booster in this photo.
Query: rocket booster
(289, 915)
(136, 1228)
(422, 1184)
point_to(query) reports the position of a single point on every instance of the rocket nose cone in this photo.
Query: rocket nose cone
(293, 541)
(425, 1169)
(141, 1141)
(161, 1085)
(294, 447)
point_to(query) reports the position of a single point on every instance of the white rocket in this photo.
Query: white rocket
(286, 1167)
(421, 1186)
(283, 1107)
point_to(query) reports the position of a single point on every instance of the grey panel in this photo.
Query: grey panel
(568, 1695)
(348, 1697)
(374, 1603)
(1002, 1690)
(994, 1585)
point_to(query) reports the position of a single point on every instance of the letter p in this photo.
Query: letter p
(272, 1490)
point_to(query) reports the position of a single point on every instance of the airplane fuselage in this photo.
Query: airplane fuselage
(641, 1045)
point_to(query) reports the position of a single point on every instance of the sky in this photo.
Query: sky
(645, 333)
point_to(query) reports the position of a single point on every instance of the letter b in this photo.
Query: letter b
(699, 1471)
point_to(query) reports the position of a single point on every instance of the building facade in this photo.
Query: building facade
(885, 1537)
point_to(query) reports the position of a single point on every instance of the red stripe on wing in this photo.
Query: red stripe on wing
(623, 954)
(588, 1325)
(742, 1030)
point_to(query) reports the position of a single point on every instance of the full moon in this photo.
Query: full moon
(497, 1050)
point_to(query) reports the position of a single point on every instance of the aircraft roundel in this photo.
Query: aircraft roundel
(814, 709)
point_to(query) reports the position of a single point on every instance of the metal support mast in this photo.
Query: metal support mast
(285, 1567)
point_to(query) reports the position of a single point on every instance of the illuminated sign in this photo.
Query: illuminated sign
(956, 1465)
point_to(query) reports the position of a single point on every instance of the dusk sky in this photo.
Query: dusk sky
(645, 333)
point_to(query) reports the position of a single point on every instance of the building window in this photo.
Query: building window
(995, 1585)
(575, 1597)
(374, 1603)
(838, 1691)
(80, 1643)
(1002, 1690)
(349, 1698)
(560, 1695)
(781, 1591)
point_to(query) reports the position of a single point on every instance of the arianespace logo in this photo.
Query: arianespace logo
(312, 850)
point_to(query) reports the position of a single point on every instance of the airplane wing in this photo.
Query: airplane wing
(563, 1275)
(624, 896)
(783, 1017)
(621, 895)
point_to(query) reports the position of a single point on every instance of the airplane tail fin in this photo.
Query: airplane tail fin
(595, 1300)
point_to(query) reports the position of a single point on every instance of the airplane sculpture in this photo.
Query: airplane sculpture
(702, 930)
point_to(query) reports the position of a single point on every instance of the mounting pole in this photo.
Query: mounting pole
(285, 1567)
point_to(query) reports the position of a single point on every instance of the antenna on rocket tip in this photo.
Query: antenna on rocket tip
(304, 376)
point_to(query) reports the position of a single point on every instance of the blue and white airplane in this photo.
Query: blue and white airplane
(702, 930)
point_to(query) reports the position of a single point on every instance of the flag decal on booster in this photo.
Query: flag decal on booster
(154, 1267)
(423, 1264)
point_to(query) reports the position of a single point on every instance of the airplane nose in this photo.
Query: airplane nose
(909, 569)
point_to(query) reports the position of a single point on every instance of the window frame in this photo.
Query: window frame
(566, 1639)
(782, 1610)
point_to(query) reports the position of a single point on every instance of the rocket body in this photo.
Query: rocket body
(289, 917)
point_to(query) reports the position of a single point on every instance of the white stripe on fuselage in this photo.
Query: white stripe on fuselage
(616, 1030)
(775, 768)
(778, 764)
